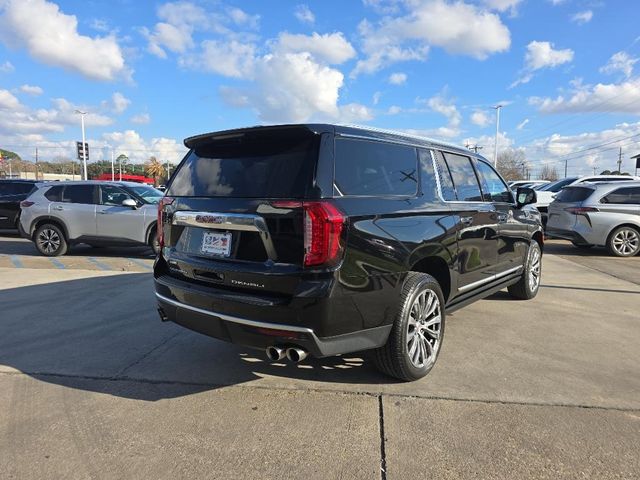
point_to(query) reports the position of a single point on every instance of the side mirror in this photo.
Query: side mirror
(525, 196)
(130, 202)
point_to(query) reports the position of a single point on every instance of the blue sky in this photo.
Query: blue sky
(152, 73)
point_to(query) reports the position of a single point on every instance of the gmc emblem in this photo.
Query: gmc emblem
(209, 219)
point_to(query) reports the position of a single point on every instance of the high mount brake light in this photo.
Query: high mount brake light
(160, 225)
(323, 225)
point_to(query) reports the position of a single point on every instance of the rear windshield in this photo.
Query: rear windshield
(574, 194)
(255, 164)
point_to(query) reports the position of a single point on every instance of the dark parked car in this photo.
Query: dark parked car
(325, 240)
(12, 192)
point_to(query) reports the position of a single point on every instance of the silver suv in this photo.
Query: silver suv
(605, 214)
(58, 215)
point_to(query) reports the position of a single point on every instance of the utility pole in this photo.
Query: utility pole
(495, 151)
(84, 144)
(620, 161)
(36, 163)
(113, 176)
(565, 168)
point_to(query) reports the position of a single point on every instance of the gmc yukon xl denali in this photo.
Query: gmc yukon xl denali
(324, 240)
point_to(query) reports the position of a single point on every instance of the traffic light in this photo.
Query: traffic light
(83, 153)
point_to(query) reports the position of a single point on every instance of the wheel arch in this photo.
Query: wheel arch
(438, 268)
(150, 229)
(539, 237)
(36, 223)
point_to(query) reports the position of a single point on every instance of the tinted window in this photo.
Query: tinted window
(54, 194)
(22, 188)
(493, 188)
(79, 194)
(110, 195)
(464, 177)
(428, 177)
(627, 196)
(558, 184)
(574, 194)
(372, 168)
(268, 163)
(446, 184)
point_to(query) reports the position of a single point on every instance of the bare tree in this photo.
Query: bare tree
(549, 172)
(512, 164)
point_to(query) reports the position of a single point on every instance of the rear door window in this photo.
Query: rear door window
(374, 168)
(574, 194)
(270, 163)
(625, 196)
(464, 177)
(79, 194)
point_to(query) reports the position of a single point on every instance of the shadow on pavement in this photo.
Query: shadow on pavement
(96, 333)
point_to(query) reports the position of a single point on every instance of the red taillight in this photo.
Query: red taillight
(160, 229)
(323, 224)
(580, 210)
(25, 204)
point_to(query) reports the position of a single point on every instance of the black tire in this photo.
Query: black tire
(624, 241)
(582, 245)
(527, 288)
(394, 358)
(50, 241)
(153, 241)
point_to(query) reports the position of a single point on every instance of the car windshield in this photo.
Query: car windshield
(558, 184)
(148, 194)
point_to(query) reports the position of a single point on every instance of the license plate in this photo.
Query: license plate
(214, 243)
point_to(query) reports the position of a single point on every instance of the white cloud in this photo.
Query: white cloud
(397, 78)
(543, 55)
(131, 143)
(376, 98)
(394, 110)
(503, 5)
(480, 118)
(100, 25)
(331, 48)
(354, 112)
(445, 106)
(557, 2)
(141, 119)
(230, 59)
(522, 124)
(611, 98)
(620, 62)
(31, 90)
(304, 14)
(52, 37)
(582, 17)
(242, 18)
(8, 101)
(459, 28)
(119, 103)
(7, 67)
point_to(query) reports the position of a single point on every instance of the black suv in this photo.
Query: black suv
(325, 239)
(12, 192)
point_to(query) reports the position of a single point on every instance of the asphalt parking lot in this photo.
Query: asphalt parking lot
(93, 385)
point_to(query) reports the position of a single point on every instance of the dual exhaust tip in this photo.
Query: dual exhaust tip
(293, 354)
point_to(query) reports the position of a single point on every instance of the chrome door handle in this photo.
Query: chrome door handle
(466, 220)
(57, 207)
(502, 217)
(104, 213)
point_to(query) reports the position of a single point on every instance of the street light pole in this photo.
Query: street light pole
(84, 144)
(113, 173)
(495, 150)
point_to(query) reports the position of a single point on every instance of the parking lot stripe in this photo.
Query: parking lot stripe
(57, 263)
(16, 261)
(99, 264)
(141, 263)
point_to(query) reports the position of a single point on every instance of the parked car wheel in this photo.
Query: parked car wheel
(50, 241)
(415, 339)
(529, 284)
(153, 241)
(624, 242)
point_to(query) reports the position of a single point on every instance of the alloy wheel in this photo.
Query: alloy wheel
(626, 241)
(534, 269)
(423, 329)
(49, 240)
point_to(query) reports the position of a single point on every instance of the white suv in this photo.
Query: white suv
(58, 215)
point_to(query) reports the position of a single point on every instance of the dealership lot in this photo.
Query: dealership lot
(93, 385)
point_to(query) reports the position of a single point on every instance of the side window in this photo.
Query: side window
(79, 194)
(493, 188)
(112, 195)
(464, 177)
(427, 176)
(446, 184)
(625, 196)
(373, 168)
(54, 194)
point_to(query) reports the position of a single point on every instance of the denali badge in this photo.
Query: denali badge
(209, 219)
(247, 284)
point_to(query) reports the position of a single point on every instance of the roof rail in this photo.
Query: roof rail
(402, 134)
